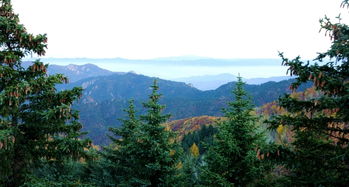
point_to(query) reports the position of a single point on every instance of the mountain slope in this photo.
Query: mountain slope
(104, 99)
(188, 125)
(120, 87)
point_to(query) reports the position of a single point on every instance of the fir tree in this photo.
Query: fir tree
(158, 152)
(36, 122)
(146, 153)
(121, 154)
(232, 158)
(189, 169)
(319, 155)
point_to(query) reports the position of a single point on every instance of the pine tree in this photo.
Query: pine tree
(232, 158)
(158, 152)
(36, 121)
(188, 171)
(145, 154)
(121, 155)
(319, 156)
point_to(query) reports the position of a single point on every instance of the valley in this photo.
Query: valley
(105, 97)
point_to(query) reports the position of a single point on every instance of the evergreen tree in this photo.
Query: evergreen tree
(319, 155)
(158, 152)
(36, 121)
(97, 170)
(189, 169)
(121, 154)
(232, 158)
(145, 154)
(203, 138)
(58, 174)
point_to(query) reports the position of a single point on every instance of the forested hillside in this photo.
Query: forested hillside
(104, 99)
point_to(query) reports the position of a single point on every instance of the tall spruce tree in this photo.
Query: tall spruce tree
(159, 151)
(36, 121)
(232, 158)
(146, 153)
(121, 154)
(319, 155)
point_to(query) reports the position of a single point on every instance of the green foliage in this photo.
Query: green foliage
(99, 171)
(232, 159)
(120, 155)
(319, 156)
(36, 121)
(203, 138)
(189, 171)
(159, 151)
(38, 182)
(57, 174)
(146, 153)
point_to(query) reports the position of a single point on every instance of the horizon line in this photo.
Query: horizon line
(187, 58)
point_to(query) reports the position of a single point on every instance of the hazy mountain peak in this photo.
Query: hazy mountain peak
(78, 72)
(211, 82)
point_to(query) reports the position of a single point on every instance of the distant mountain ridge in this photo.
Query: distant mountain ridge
(212, 82)
(204, 82)
(76, 72)
(268, 79)
(176, 67)
(208, 82)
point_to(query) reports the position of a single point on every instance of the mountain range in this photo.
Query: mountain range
(172, 68)
(203, 82)
(106, 95)
(212, 82)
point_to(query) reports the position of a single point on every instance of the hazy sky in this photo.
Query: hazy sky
(139, 29)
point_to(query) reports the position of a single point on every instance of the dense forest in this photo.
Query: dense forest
(300, 139)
